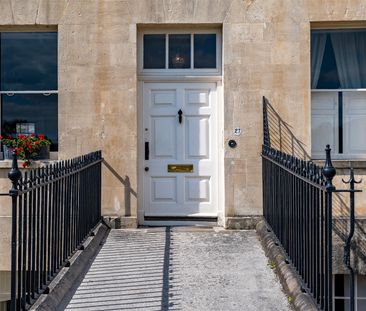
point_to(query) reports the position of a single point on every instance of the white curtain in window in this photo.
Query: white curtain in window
(318, 41)
(345, 51)
(361, 56)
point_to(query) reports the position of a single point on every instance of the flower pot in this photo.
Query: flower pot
(43, 154)
(8, 152)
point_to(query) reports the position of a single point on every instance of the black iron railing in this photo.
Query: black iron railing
(298, 206)
(54, 209)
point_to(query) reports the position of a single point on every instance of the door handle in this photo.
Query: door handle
(180, 115)
(147, 150)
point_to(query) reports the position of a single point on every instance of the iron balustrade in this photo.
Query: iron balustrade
(298, 207)
(54, 209)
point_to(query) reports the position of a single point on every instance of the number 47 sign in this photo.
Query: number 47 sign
(237, 131)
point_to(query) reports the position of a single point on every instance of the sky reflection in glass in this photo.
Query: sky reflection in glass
(28, 61)
(205, 51)
(31, 108)
(154, 51)
(180, 51)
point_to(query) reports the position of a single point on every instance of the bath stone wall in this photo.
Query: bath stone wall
(266, 51)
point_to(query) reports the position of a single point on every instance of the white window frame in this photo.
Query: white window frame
(335, 155)
(184, 71)
(348, 297)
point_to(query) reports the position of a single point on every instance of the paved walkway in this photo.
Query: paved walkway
(180, 269)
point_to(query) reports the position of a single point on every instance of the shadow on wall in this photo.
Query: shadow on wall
(280, 135)
(127, 187)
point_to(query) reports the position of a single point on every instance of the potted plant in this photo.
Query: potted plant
(27, 147)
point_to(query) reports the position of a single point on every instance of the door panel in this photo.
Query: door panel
(197, 189)
(164, 137)
(191, 142)
(197, 137)
(164, 189)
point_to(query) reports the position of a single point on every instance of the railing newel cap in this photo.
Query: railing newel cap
(329, 171)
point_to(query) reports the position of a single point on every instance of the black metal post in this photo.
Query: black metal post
(347, 247)
(329, 172)
(14, 175)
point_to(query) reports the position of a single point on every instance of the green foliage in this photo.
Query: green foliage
(26, 146)
(272, 265)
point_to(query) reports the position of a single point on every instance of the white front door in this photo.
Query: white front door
(180, 149)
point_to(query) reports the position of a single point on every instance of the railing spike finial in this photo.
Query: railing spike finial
(329, 171)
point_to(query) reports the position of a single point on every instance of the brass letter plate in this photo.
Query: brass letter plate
(180, 168)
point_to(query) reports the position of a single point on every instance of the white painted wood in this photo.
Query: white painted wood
(194, 141)
(324, 127)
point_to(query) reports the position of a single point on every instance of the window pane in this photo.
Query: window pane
(324, 122)
(354, 122)
(361, 286)
(28, 61)
(338, 59)
(154, 51)
(339, 285)
(179, 51)
(341, 305)
(36, 113)
(361, 304)
(328, 77)
(205, 51)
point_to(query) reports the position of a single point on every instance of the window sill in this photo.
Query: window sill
(35, 164)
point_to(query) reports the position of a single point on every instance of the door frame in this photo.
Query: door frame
(140, 146)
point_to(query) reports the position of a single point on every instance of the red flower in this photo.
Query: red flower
(26, 164)
(41, 136)
(1, 137)
(36, 143)
(31, 135)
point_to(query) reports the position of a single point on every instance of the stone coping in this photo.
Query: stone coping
(290, 280)
(344, 164)
(63, 284)
(6, 164)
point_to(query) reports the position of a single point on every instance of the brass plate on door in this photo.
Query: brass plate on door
(180, 168)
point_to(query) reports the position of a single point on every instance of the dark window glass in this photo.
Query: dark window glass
(205, 51)
(328, 77)
(154, 51)
(180, 51)
(338, 59)
(28, 61)
(26, 113)
(341, 305)
(339, 285)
